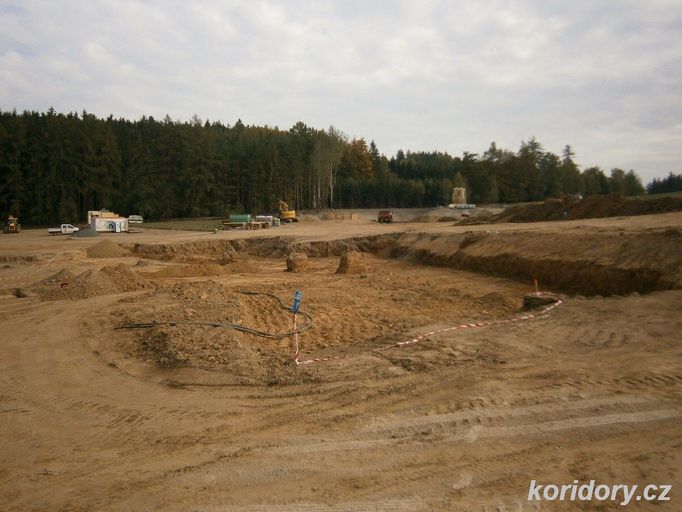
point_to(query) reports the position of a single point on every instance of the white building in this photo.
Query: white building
(110, 224)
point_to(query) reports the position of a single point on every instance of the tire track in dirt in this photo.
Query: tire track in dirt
(388, 505)
(442, 399)
(475, 414)
(635, 382)
(475, 430)
(423, 472)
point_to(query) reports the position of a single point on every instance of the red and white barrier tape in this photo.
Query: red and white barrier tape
(418, 339)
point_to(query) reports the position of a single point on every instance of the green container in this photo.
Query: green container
(242, 217)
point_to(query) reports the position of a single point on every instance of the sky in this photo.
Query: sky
(602, 76)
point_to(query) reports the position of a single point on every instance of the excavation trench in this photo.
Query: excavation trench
(406, 286)
(586, 264)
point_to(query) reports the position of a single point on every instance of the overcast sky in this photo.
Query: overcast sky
(602, 76)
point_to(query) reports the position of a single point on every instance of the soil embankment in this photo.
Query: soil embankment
(587, 264)
(589, 208)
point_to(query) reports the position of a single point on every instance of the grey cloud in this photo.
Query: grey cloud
(604, 77)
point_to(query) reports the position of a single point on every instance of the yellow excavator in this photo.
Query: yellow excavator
(285, 214)
(12, 225)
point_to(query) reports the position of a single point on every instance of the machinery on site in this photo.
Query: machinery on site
(285, 214)
(385, 216)
(12, 225)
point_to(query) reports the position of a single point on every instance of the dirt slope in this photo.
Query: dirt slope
(588, 208)
(590, 264)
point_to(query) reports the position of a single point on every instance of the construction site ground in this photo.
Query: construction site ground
(189, 417)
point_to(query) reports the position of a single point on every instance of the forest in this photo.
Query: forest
(55, 167)
(671, 183)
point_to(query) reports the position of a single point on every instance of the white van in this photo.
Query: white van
(135, 219)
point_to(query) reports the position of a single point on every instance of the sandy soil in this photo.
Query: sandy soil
(188, 417)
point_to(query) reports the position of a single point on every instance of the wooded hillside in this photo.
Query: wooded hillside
(54, 167)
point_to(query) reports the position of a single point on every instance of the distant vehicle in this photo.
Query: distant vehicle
(12, 225)
(285, 214)
(135, 219)
(64, 229)
(385, 216)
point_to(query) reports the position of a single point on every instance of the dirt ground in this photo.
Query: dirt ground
(184, 416)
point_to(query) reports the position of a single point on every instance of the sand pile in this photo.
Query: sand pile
(125, 279)
(297, 262)
(106, 249)
(352, 262)
(91, 283)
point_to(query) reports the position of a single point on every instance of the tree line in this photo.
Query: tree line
(55, 167)
(671, 183)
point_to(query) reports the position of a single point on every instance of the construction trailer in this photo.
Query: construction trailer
(104, 221)
(109, 224)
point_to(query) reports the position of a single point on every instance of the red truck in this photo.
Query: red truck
(385, 216)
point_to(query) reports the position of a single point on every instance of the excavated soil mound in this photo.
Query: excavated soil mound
(106, 249)
(341, 317)
(205, 347)
(590, 207)
(125, 279)
(352, 262)
(297, 262)
(91, 283)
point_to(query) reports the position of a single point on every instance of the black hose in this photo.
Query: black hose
(307, 322)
